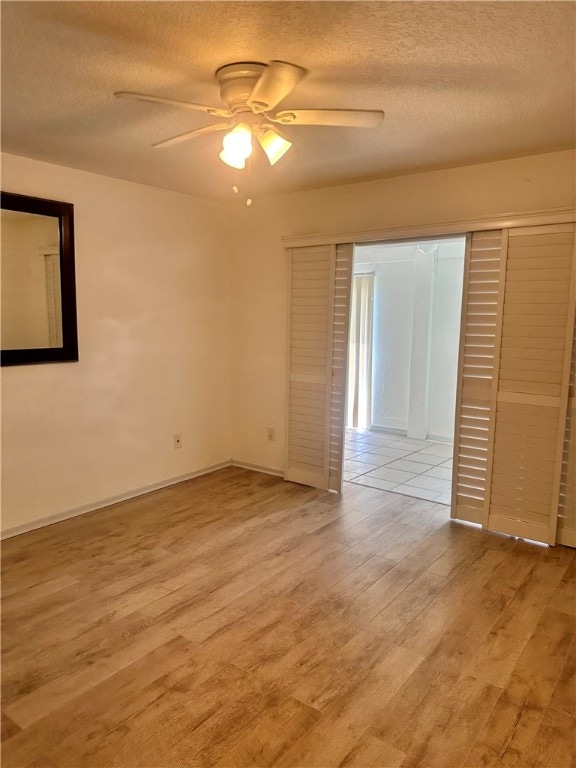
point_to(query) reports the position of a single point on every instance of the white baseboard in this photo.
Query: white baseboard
(397, 430)
(441, 439)
(93, 506)
(258, 468)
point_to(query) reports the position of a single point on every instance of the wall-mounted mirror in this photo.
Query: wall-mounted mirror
(38, 291)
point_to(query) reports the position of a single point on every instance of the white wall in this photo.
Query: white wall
(177, 297)
(153, 283)
(393, 269)
(260, 274)
(445, 340)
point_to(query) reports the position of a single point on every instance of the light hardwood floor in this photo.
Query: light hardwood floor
(237, 620)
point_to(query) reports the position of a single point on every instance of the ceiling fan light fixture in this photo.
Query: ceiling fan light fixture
(237, 146)
(274, 145)
(234, 162)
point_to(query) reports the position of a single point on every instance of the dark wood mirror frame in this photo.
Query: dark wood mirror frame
(64, 212)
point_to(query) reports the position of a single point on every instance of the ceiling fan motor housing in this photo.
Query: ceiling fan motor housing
(237, 82)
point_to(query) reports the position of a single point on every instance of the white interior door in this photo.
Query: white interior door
(482, 299)
(319, 291)
(518, 316)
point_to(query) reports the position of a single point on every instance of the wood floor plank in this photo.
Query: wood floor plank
(41, 701)
(564, 599)
(262, 609)
(446, 660)
(184, 606)
(509, 635)
(423, 634)
(564, 696)
(330, 741)
(70, 730)
(380, 594)
(553, 746)
(369, 750)
(199, 728)
(328, 590)
(266, 742)
(34, 596)
(9, 728)
(520, 709)
(326, 676)
(239, 620)
(466, 707)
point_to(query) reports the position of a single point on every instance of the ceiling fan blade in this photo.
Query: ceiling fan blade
(347, 118)
(191, 135)
(275, 83)
(216, 111)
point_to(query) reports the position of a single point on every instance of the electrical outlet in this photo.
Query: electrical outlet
(177, 441)
(271, 432)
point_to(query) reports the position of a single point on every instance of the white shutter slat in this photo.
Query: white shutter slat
(340, 323)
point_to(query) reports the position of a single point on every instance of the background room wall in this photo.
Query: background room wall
(445, 340)
(394, 341)
(393, 270)
(153, 274)
(260, 265)
(25, 312)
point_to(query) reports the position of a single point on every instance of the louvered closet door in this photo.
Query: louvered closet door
(537, 322)
(477, 376)
(567, 504)
(320, 282)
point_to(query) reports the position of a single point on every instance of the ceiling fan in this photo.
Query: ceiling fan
(251, 92)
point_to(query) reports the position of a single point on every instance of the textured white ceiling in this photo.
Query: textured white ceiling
(460, 82)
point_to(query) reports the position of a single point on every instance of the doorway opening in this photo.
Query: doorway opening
(403, 366)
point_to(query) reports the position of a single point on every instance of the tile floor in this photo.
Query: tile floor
(392, 462)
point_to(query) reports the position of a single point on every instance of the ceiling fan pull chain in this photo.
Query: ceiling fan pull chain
(249, 184)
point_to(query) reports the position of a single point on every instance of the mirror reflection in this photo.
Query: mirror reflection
(30, 268)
